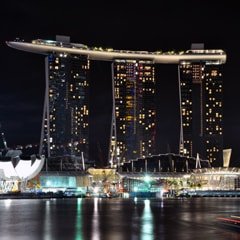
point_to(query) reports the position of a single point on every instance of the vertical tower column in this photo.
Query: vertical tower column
(45, 131)
(181, 140)
(113, 134)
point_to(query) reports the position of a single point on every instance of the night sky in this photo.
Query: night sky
(123, 25)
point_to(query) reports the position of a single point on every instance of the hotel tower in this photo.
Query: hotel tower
(134, 110)
(65, 129)
(201, 107)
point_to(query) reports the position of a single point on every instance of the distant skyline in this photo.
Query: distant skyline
(146, 27)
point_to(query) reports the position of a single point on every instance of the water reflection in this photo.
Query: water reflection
(47, 221)
(7, 203)
(147, 222)
(95, 221)
(116, 219)
(78, 226)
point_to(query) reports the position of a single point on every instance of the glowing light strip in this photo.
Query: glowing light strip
(229, 220)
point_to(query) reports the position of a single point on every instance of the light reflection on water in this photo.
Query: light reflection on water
(95, 221)
(7, 203)
(78, 228)
(47, 221)
(116, 219)
(147, 224)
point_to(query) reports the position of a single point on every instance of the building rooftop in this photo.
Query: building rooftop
(45, 47)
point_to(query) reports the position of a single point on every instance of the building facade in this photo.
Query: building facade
(201, 93)
(65, 130)
(133, 130)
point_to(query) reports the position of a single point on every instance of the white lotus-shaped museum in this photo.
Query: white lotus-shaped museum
(21, 169)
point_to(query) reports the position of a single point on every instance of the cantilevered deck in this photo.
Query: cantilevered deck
(97, 53)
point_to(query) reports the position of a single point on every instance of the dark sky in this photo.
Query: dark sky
(151, 25)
